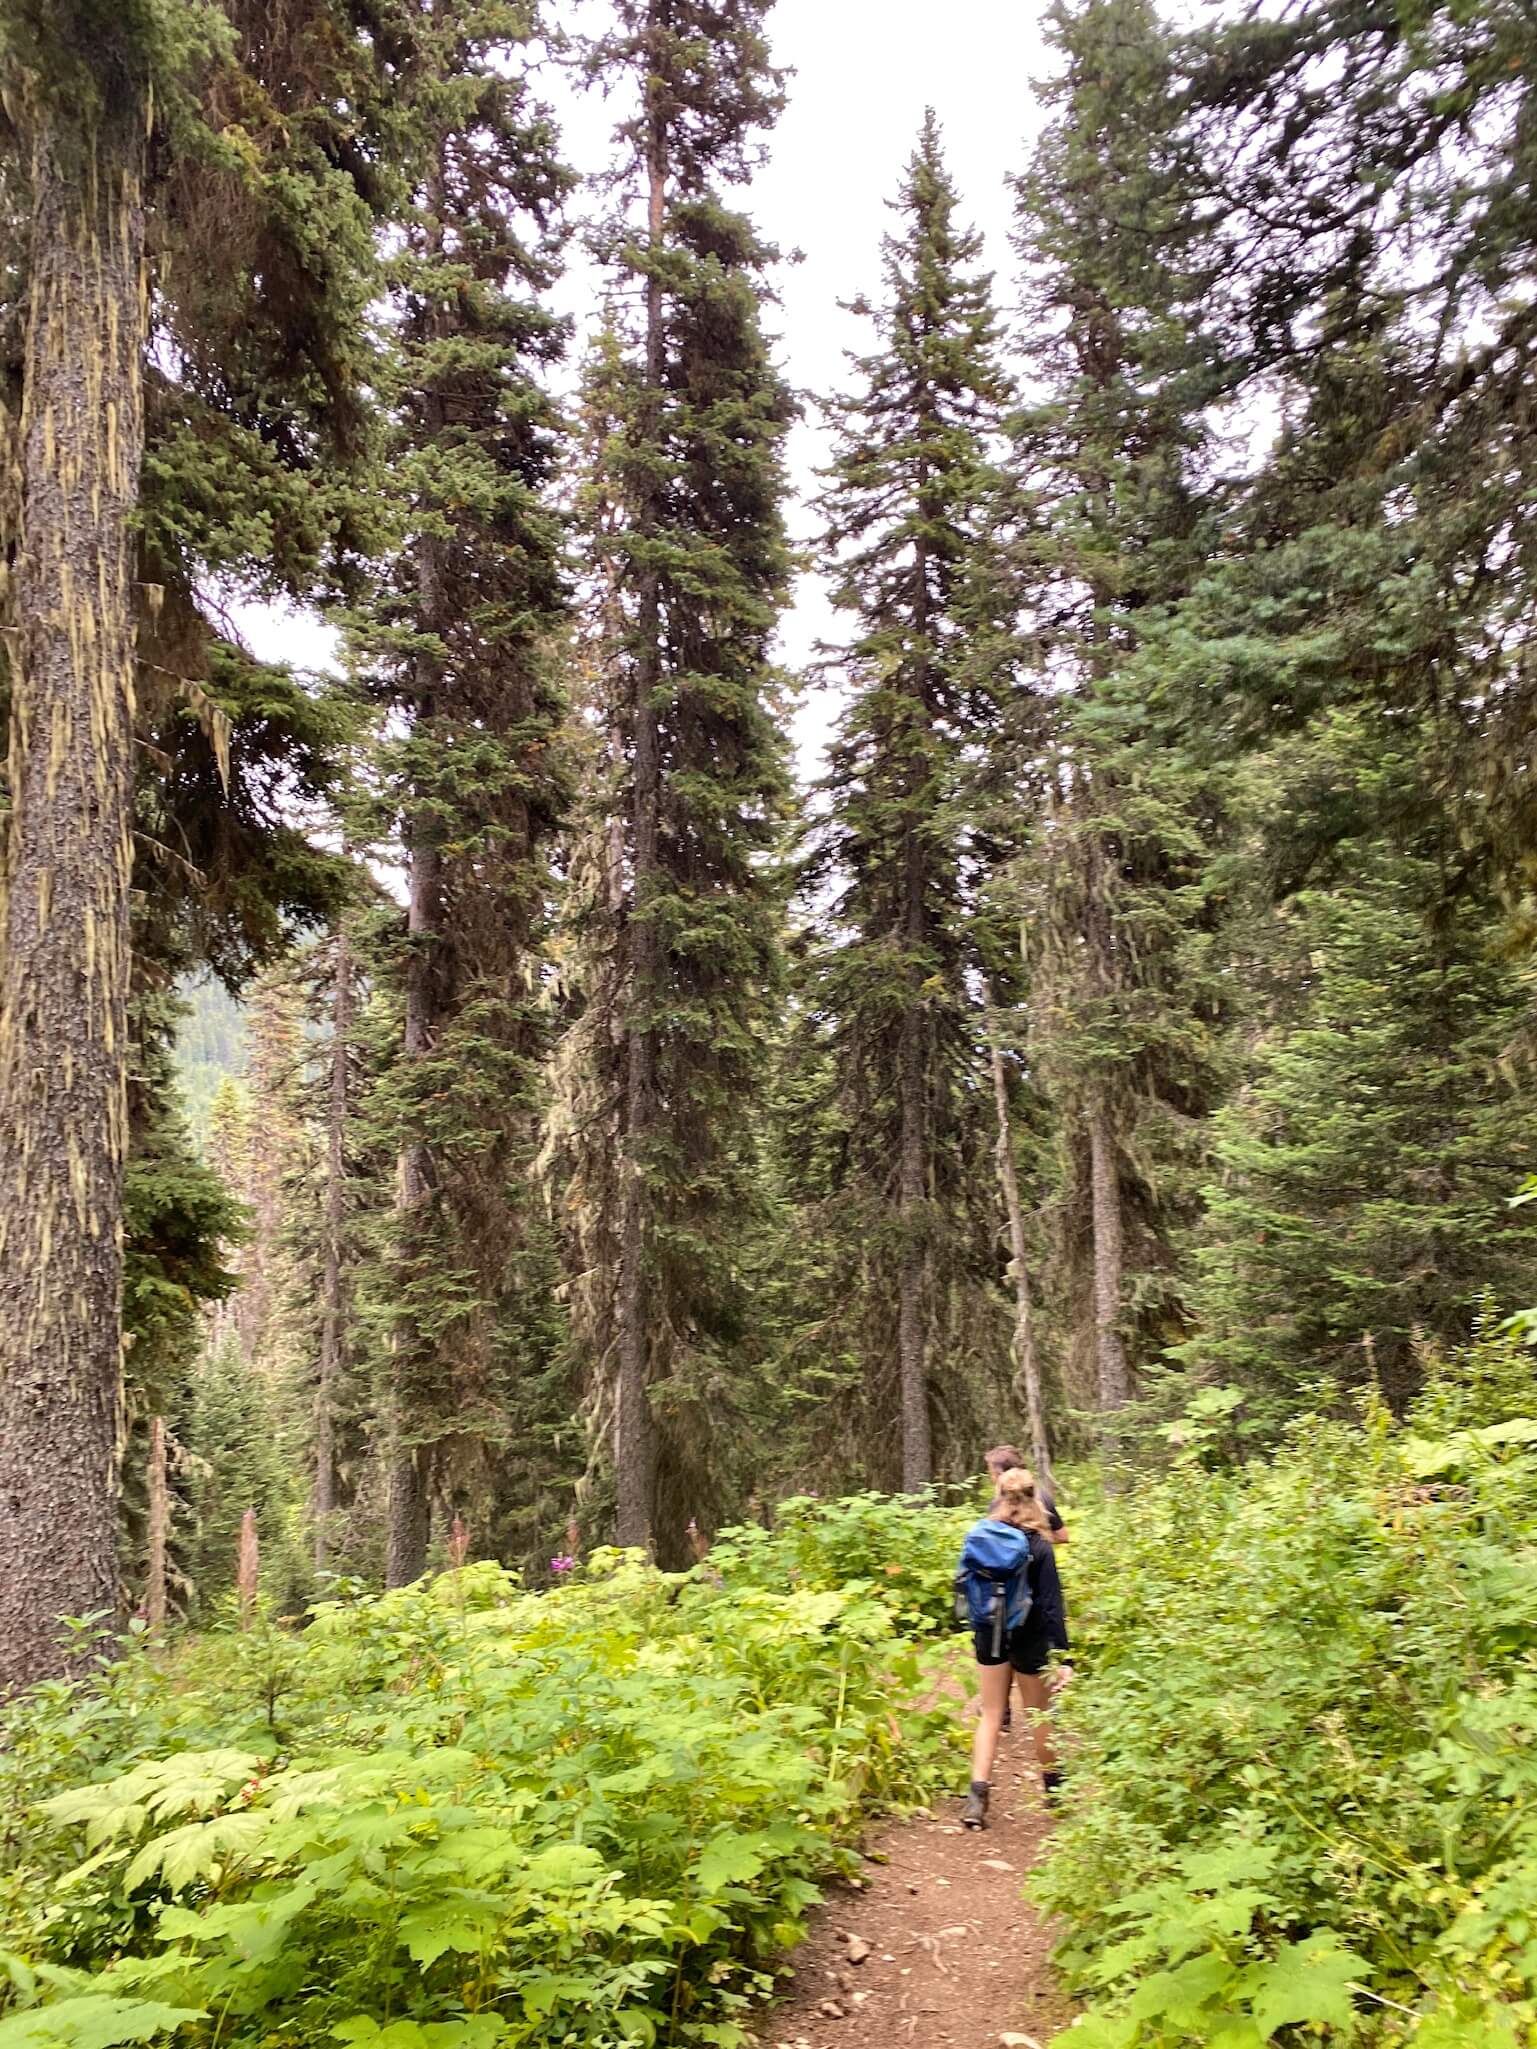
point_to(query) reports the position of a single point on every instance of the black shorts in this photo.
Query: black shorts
(1022, 1649)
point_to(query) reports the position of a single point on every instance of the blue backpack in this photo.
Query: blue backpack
(992, 1582)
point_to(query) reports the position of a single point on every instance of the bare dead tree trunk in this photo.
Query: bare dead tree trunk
(248, 1569)
(333, 1302)
(1027, 1368)
(634, 1432)
(64, 934)
(158, 1562)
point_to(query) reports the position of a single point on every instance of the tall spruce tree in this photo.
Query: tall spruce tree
(79, 86)
(259, 137)
(910, 478)
(687, 416)
(1124, 1005)
(1361, 1206)
(1368, 254)
(457, 641)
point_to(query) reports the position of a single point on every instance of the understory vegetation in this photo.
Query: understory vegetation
(462, 1815)
(1300, 1804)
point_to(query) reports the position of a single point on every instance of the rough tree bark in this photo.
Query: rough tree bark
(157, 1563)
(333, 1300)
(1026, 1364)
(64, 941)
(634, 1436)
(410, 1498)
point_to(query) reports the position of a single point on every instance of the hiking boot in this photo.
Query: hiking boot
(974, 1813)
(1051, 1786)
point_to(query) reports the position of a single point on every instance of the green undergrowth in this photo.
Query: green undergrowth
(468, 1817)
(1303, 1791)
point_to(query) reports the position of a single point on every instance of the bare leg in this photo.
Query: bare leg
(994, 1683)
(1034, 1698)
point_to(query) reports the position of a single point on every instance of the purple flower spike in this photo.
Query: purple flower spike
(563, 1564)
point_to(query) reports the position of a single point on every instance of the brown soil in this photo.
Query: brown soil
(950, 1955)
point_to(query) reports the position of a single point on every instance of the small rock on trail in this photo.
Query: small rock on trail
(947, 1954)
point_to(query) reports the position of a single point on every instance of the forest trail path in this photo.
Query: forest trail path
(956, 1958)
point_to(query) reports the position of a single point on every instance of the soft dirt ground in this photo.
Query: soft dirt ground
(935, 1949)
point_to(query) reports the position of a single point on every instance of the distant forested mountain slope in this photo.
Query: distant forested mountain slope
(211, 1042)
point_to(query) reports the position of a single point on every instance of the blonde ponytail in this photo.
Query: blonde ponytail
(1016, 1502)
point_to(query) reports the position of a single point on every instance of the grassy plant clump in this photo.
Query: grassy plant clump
(1305, 1745)
(460, 1816)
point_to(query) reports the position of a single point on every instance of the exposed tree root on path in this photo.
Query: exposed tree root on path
(935, 1948)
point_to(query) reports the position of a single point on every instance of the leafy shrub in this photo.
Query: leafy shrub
(455, 1817)
(901, 1550)
(1304, 1748)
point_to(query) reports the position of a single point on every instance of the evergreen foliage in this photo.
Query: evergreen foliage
(895, 872)
(1366, 1167)
(1112, 527)
(1161, 961)
(456, 640)
(680, 939)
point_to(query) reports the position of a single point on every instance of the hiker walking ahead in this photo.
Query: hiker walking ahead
(1004, 1458)
(1013, 1597)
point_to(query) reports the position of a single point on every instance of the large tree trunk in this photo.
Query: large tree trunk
(64, 946)
(333, 1300)
(1027, 1367)
(410, 1518)
(634, 1432)
(1109, 1261)
(410, 1464)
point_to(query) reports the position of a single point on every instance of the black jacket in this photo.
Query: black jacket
(1045, 1627)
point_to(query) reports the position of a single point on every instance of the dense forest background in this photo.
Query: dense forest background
(525, 1105)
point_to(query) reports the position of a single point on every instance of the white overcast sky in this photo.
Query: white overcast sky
(863, 72)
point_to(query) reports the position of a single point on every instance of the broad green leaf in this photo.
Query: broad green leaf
(470, 2031)
(1425, 1458)
(1182, 1995)
(1516, 1430)
(190, 1852)
(728, 1860)
(1234, 2034)
(455, 1924)
(93, 2020)
(564, 1867)
(1100, 2031)
(1306, 1981)
(543, 1994)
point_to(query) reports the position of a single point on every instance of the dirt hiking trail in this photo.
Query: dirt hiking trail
(933, 1948)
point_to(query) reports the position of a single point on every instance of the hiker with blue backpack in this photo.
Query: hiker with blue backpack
(1008, 1592)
